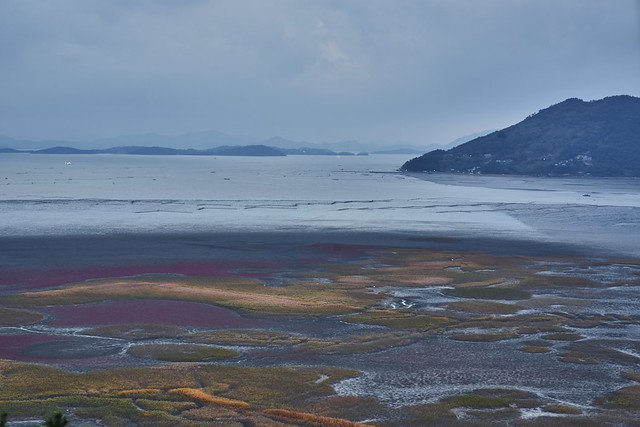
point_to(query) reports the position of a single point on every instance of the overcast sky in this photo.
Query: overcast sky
(413, 71)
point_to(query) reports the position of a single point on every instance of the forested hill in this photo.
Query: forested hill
(574, 137)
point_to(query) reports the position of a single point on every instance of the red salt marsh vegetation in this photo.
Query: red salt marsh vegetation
(151, 311)
(384, 336)
(36, 278)
(12, 346)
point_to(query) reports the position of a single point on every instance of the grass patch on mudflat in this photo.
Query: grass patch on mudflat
(301, 418)
(484, 337)
(349, 407)
(558, 408)
(485, 307)
(246, 295)
(354, 343)
(277, 386)
(545, 302)
(468, 283)
(534, 349)
(476, 401)
(117, 396)
(112, 410)
(492, 398)
(495, 292)
(248, 337)
(135, 332)
(171, 407)
(548, 280)
(417, 279)
(397, 319)
(597, 351)
(521, 324)
(139, 392)
(562, 336)
(202, 396)
(213, 414)
(181, 352)
(631, 375)
(482, 407)
(428, 414)
(357, 343)
(578, 358)
(624, 398)
(19, 317)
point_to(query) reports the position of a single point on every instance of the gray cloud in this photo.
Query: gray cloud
(426, 71)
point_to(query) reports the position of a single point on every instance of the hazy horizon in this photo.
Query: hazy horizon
(214, 138)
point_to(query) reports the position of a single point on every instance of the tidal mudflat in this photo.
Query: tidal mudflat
(317, 329)
(165, 291)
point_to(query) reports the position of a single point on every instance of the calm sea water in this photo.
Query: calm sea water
(105, 194)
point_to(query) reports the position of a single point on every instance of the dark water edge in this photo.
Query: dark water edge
(29, 263)
(45, 252)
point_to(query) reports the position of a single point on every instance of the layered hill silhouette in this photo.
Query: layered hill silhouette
(247, 150)
(574, 137)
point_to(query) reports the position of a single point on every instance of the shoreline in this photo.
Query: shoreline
(29, 263)
(57, 250)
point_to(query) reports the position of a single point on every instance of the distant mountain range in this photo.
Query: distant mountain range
(574, 137)
(200, 143)
(204, 141)
(246, 150)
(238, 150)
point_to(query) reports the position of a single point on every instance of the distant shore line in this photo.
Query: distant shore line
(100, 249)
(225, 150)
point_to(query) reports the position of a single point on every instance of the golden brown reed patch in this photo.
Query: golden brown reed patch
(313, 420)
(266, 301)
(202, 396)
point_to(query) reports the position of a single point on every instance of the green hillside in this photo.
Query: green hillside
(574, 137)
